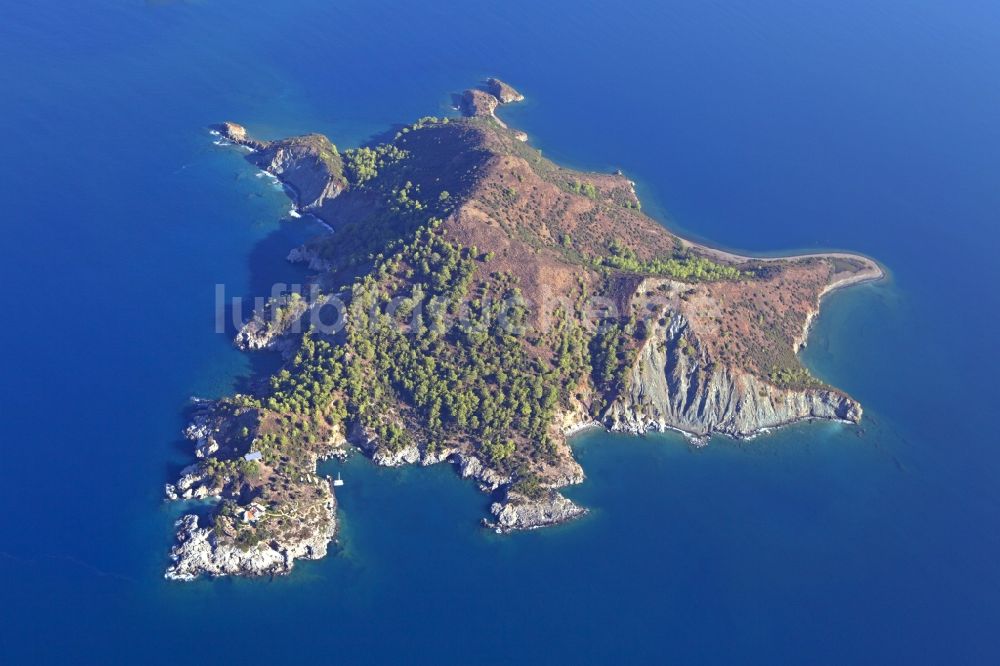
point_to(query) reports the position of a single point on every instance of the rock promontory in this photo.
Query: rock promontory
(503, 92)
(310, 165)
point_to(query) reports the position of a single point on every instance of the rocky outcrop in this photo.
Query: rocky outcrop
(200, 551)
(470, 467)
(238, 135)
(484, 103)
(193, 483)
(380, 454)
(477, 103)
(519, 512)
(309, 165)
(438, 455)
(575, 419)
(273, 326)
(202, 433)
(257, 528)
(407, 455)
(672, 384)
(503, 91)
(217, 550)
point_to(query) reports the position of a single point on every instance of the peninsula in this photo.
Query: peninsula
(493, 303)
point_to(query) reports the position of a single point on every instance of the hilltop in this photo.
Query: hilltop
(493, 303)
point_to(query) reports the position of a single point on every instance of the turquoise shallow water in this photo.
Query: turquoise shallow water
(774, 127)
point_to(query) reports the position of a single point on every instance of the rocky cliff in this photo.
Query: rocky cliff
(309, 165)
(674, 383)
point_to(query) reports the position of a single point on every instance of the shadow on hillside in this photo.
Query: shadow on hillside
(383, 137)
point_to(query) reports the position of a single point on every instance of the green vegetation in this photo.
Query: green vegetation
(586, 189)
(313, 381)
(395, 188)
(429, 356)
(610, 358)
(285, 310)
(437, 351)
(566, 338)
(420, 124)
(792, 377)
(471, 380)
(689, 268)
(363, 164)
(530, 486)
(440, 349)
(329, 155)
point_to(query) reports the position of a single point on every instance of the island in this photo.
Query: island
(491, 304)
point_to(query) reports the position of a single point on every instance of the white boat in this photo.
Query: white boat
(338, 481)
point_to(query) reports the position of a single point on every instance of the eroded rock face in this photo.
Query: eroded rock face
(674, 384)
(309, 165)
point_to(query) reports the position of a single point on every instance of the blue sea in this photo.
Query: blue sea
(767, 126)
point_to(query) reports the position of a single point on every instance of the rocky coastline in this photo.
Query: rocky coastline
(711, 356)
(200, 551)
(299, 525)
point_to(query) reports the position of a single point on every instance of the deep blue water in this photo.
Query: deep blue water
(847, 124)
